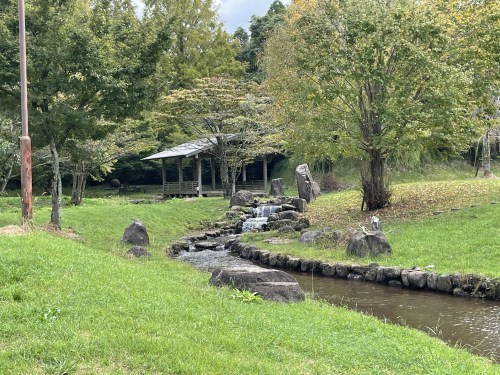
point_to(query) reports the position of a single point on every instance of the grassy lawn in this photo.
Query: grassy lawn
(465, 241)
(75, 303)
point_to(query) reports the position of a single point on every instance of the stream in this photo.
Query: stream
(471, 323)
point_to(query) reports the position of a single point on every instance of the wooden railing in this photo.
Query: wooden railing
(191, 187)
(181, 188)
(254, 185)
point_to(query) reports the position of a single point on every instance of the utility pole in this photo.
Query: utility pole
(25, 142)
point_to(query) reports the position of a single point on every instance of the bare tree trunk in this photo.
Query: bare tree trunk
(224, 178)
(55, 215)
(79, 182)
(6, 179)
(486, 155)
(375, 192)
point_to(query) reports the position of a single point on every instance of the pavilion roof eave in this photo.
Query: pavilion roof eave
(188, 149)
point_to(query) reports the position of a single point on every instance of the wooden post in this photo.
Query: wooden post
(212, 172)
(180, 173)
(198, 169)
(25, 141)
(164, 173)
(244, 176)
(195, 166)
(264, 164)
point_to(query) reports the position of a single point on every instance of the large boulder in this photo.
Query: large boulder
(270, 284)
(136, 234)
(277, 187)
(288, 215)
(307, 187)
(299, 204)
(363, 243)
(241, 198)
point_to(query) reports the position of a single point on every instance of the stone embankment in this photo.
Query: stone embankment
(456, 284)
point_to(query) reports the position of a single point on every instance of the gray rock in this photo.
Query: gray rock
(417, 279)
(459, 292)
(404, 278)
(176, 248)
(342, 270)
(293, 264)
(277, 187)
(310, 237)
(393, 273)
(241, 198)
(286, 229)
(358, 269)
(327, 269)
(368, 244)
(355, 277)
(287, 207)
(274, 225)
(264, 257)
(371, 274)
(288, 215)
(136, 234)
(308, 190)
(272, 285)
(206, 245)
(432, 280)
(139, 251)
(299, 204)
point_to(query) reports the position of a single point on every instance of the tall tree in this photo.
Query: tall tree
(199, 45)
(230, 114)
(368, 79)
(9, 150)
(86, 63)
(252, 46)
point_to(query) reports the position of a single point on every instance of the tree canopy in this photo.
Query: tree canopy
(370, 80)
(219, 108)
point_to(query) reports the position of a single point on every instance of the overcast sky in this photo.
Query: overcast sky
(234, 13)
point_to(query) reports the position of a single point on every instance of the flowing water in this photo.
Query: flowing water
(261, 213)
(466, 322)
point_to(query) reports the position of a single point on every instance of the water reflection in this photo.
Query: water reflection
(467, 322)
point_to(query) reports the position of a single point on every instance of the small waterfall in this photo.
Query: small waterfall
(265, 210)
(261, 214)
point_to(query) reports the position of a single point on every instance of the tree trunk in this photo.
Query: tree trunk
(375, 192)
(224, 178)
(6, 179)
(55, 215)
(486, 155)
(79, 182)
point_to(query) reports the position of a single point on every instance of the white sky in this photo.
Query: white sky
(234, 13)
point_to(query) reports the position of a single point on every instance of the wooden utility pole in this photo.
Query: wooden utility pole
(25, 142)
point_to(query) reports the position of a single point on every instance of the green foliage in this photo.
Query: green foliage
(246, 296)
(200, 46)
(252, 46)
(369, 80)
(232, 115)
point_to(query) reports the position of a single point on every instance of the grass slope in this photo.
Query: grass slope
(78, 305)
(465, 241)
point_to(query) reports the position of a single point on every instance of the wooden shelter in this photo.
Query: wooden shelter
(198, 150)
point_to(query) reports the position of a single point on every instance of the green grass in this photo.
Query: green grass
(464, 241)
(78, 305)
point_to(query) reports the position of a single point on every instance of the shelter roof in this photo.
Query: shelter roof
(189, 148)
